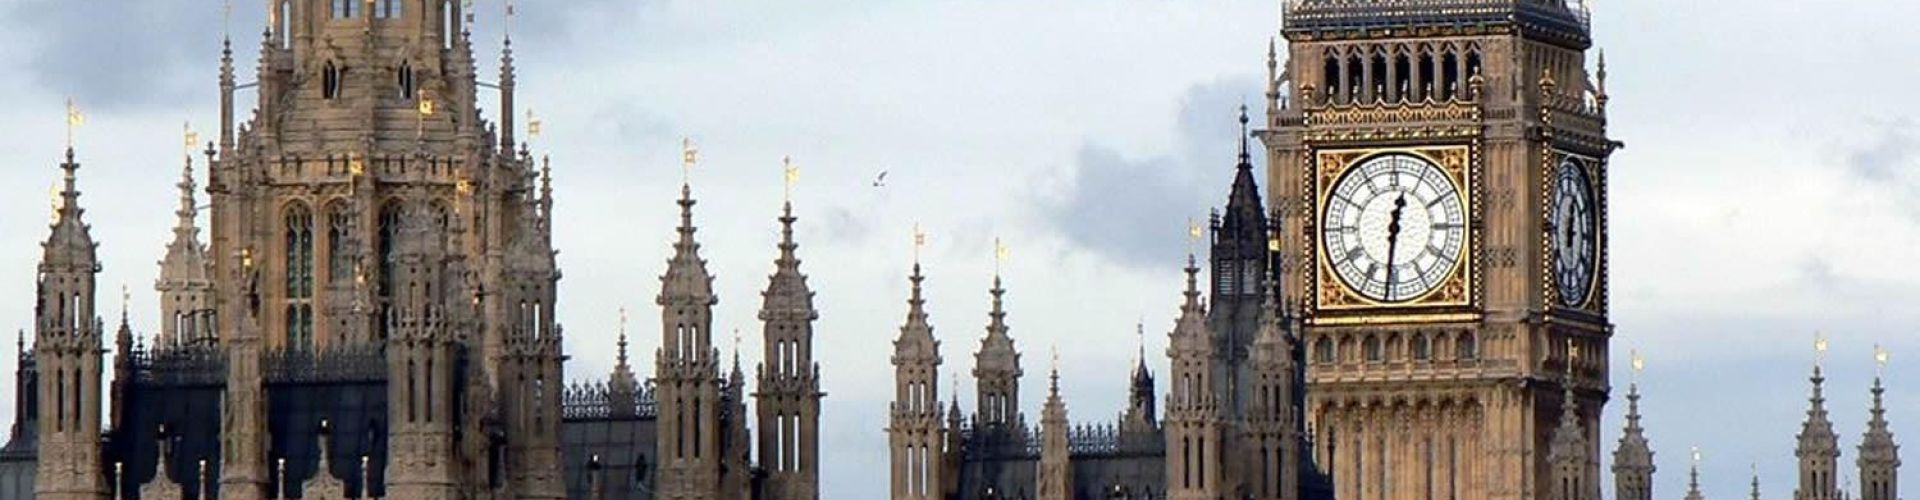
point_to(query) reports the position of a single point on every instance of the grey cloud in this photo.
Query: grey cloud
(844, 227)
(1132, 210)
(124, 55)
(1891, 162)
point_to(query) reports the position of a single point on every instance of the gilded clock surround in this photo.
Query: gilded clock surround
(1590, 172)
(1456, 290)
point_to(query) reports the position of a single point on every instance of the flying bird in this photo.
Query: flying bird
(880, 181)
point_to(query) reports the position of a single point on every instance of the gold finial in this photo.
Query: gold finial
(355, 166)
(192, 139)
(1639, 365)
(533, 124)
(1273, 242)
(1696, 456)
(426, 103)
(126, 296)
(74, 120)
(999, 255)
(919, 240)
(1193, 234)
(1880, 360)
(791, 174)
(1819, 348)
(689, 155)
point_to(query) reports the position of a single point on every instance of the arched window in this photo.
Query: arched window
(1465, 348)
(1323, 351)
(339, 249)
(1355, 78)
(403, 77)
(389, 229)
(1371, 346)
(1426, 77)
(1377, 78)
(1422, 347)
(1449, 76)
(330, 81)
(1402, 78)
(299, 276)
(1330, 78)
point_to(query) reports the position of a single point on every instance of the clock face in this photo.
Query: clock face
(1574, 233)
(1395, 227)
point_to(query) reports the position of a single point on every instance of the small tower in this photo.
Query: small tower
(996, 371)
(186, 280)
(1142, 418)
(788, 399)
(1879, 455)
(915, 436)
(1633, 457)
(1818, 448)
(1193, 424)
(623, 388)
(1240, 259)
(687, 383)
(67, 355)
(1570, 477)
(421, 358)
(1056, 464)
(1273, 443)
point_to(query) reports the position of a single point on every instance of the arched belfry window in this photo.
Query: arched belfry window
(404, 80)
(298, 273)
(389, 229)
(339, 244)
(330, 79)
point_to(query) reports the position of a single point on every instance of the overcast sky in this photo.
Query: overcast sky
(1770, 187)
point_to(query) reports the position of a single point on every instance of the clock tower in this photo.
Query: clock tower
(1439, 168)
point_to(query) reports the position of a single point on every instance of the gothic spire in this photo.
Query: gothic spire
(687, 280)
(71, 243)
(1879, 460)
(1818, 447)
(916, 331)
(1633, 457)
(1243, 226)
(1755, 492)
(787, 292)
(1693, 478)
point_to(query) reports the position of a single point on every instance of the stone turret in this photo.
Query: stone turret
(421, 357)
(1818, 449)
(1270, 418)
(186, 276)
(1879, 455)
(67, 354)
(915, 436)
(1193, 425)
(1240, 260)
(687, 383)
(1142, 418)
(1633, 457)
(788, 396)
(996, 371)
(1056, 465)
(1571, 476)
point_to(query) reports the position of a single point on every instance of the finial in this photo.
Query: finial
(999, 256)
(689, 155)
(192, 140)
(736, 348)
(226, 20)
(1819, 349)
(919, 240)
(533, 124)
(126, 296)
(1639, 365)
(1602, 74)
(791, 175)
(1193, 236)
(1140, 338)
(1696, 456)
(1879, 361)
(74, 120)
(1245, 155)
(507, 29)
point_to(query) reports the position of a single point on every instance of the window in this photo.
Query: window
(1323, 351)
(387, 9)
(339, 249)
(299, 276)
(1373, 350)
(389, 229)
(1422, 347)
(330, 78)
(404, 81)
(1466, 349)
(343, 9)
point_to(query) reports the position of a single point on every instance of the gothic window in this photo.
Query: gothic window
(1373, 350)
(1473, 63)
(1465, 349)
(299, 275)
(1402, 77)
(1354, 78)
(1422, 347)
(1377, 78)
(1426, 76)
(387, 9)
(330, 81)
(343, 9)
(1449, 76)
(1323, 351)
(339, 253)
(389, 229)
(404, 80)
(1330, 78)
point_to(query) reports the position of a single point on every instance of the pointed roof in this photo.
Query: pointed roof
(1693, 478)
(1272, 336)
(916, 342)
(997, 353)
(623, 382)
(1190, 331)
(1055, 412)
(186, 260)
(1569, 439)
(1816, 436)
(787, 295)
(1244, 221)
(1877, 447)
(687, 281)
(1633, 453)
(70, 245)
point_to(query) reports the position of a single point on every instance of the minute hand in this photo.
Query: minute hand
(1393, 240)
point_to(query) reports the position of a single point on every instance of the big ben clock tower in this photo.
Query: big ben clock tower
(1438, 172)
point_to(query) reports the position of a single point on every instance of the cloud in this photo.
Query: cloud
(161, 50)
(1891, 162)
(1131, 210)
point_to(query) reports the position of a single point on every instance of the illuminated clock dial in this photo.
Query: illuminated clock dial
(1574, 233)
(1394, 228)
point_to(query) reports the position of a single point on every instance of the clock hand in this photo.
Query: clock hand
(1393, 239)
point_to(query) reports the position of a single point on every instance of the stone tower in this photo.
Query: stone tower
(67, 348)
(1239, 258)
(186, 282)
(1273, 448)
(917, 442)
(421, 357)
(1633, 457)
(1818, 449)
(1879, 455)
(788, 400)
(1056, 468)
(1575, 475)
(687, 375)
(1194, 426)
(1441, 169)
(996, 371)
(1142, 418)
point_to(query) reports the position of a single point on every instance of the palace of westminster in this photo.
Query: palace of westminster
(1418, 309)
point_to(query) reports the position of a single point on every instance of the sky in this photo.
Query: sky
(1769, 189)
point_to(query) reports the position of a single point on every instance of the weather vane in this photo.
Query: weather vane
(74, 120)
(192, 138)
(533, 124)
(919, 240)
(999, 255)
(1819, 348)
(1193, 234)
(689, 155)
(1696, 456)
(1639, 365)
(791, 174)
(1879, 360)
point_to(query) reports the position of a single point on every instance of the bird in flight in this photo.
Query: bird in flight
(881, 180)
